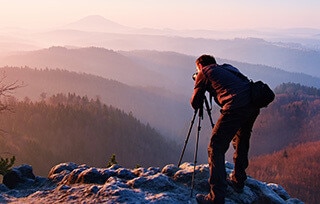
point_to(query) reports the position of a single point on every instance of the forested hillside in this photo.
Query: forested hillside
(66, 128)
(295, 168)
(289, 126)
(293, 118)
(153, 105)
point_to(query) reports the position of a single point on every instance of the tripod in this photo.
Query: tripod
(200, 114)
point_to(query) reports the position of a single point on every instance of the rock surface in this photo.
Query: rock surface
(72, 183)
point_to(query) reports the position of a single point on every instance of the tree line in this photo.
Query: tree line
(291, 119)
(75, 128)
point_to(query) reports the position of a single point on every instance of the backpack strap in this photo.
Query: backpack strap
(234, 71)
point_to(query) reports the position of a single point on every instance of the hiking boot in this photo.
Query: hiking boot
(207, 199)
(204, 199)
(237, 187)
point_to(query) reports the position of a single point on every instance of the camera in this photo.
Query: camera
(194, 76)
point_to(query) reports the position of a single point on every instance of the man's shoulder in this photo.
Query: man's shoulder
(227, 66)
(230, 68)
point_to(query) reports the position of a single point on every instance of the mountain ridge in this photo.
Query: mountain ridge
(169, 70)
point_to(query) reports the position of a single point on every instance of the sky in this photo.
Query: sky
(174, 14)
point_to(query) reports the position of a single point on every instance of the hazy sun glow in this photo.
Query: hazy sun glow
(176, 14)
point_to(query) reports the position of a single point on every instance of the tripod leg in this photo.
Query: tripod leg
(188, 135)
(196, 154)
(209, 112)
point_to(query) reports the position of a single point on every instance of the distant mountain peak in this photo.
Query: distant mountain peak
(97, 19)
(96, 23)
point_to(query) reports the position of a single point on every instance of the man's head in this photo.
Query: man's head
(205, 60)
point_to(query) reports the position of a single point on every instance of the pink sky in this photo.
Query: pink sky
(175, 14)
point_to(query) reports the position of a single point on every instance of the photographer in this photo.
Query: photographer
(231, 91)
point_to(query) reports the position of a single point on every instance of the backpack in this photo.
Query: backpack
(261, 94)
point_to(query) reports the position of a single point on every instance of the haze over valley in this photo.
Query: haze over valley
(296, 51)
(142, 77)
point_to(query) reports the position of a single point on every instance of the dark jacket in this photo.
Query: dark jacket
(229, 90)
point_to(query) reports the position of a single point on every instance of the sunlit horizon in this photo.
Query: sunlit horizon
(191, 14)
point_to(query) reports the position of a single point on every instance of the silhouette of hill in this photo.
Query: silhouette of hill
(167, 70)
(295, 168)
(175, 65)
(284, 55)
(97, 61)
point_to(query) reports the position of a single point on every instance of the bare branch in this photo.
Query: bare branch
(6, 90)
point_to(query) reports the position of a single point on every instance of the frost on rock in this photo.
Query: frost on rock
(72, 183)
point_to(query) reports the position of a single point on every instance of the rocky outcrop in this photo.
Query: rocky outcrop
(72, 183)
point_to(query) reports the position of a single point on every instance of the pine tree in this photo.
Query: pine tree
(112, 161)
(6, 164)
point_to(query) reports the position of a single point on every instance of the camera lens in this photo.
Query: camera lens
(194, 76)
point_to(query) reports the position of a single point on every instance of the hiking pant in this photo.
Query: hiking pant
(233, 125)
